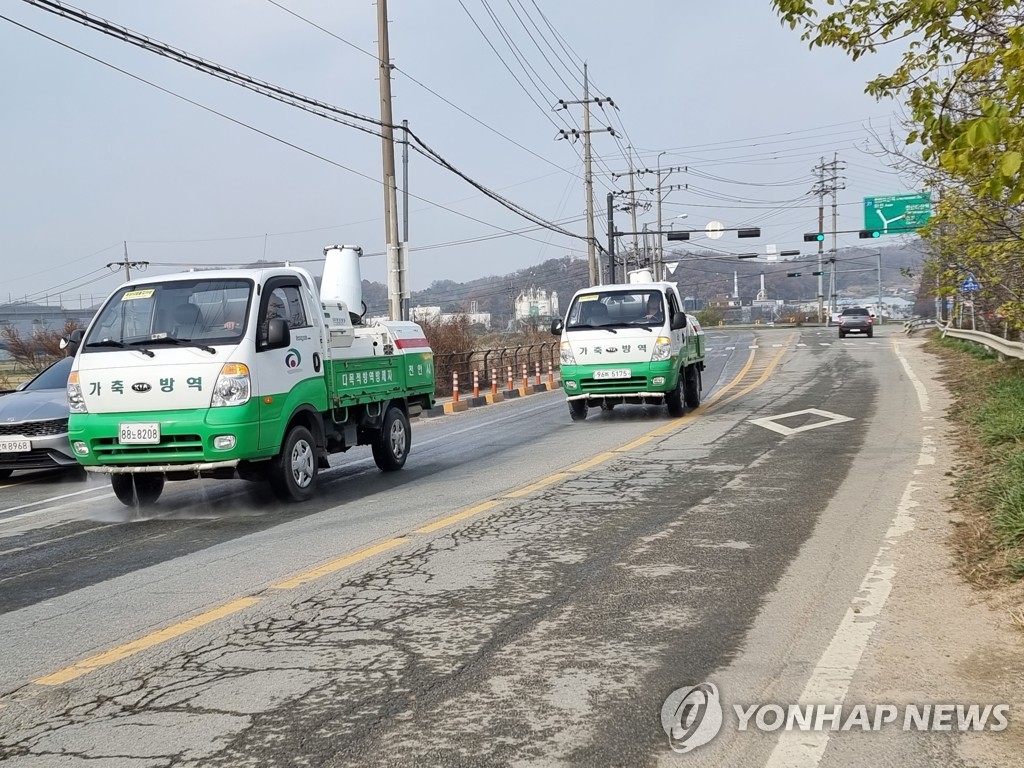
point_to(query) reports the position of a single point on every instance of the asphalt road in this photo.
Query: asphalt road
(526, 591)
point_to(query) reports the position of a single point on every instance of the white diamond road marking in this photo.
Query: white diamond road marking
(768, 422)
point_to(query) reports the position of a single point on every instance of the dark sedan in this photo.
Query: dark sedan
(856, 320)
(34, 423)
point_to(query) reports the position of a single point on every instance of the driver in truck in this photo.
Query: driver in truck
(654, 309)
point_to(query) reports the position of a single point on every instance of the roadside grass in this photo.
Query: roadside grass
(988, 412)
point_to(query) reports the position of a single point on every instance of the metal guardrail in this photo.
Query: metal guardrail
(1003, 347)
(919, 324)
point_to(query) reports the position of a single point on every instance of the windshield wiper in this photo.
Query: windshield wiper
(119, 345)
(599, 327)
(179, 342)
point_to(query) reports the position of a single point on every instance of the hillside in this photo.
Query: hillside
(699, 274)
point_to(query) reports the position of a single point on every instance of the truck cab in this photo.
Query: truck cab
(630, 343)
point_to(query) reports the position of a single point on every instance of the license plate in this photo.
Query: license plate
(15, 445)
(613, 373)
(139, 433)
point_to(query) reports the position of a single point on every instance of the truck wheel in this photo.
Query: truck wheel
(391, 443)
(691, 386)
(293, 471)
(137, 490)
(674, 399)
(607, 405)
(578, 410)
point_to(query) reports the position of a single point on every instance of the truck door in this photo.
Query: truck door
(290, 375)
(678, 335)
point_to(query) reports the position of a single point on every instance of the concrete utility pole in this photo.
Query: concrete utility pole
(611, 238)
(588, 176)
(141, 265)
(396, 273)
(659, 248)
(632, 206)
(829, 183)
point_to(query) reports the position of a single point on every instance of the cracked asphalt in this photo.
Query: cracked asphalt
(547, 630)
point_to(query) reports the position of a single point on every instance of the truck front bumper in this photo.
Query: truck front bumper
(206, 466)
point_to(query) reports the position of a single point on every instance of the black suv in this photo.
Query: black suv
(855, 320)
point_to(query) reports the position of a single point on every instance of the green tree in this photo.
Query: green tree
(960, 76)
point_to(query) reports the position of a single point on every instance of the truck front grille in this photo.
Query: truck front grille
(170, 448)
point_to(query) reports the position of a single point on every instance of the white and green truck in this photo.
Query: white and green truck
(630, 343)
(249, 373)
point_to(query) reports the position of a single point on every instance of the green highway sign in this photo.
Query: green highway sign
(897, 214)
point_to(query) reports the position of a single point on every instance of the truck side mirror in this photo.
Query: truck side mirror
(278, 334)
(678, 321)
(71, 342)
(556, 327)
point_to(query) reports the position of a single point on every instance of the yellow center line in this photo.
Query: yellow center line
(593, 462)
(762, 379)
(341, 562)
(154, 638)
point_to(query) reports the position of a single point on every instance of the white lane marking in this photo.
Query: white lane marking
(23, 515)
(922, 393)
(754, 346)
(52, 499)
(830, 681)
(828, 419)
(801, 344)
(730, 348)
(825, 343)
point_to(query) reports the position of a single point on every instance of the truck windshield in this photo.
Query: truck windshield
(203, 311)
(617, 308)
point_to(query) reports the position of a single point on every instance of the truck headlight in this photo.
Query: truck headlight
(76, 403)
(568, 358)
(662, 349)
(232, 387)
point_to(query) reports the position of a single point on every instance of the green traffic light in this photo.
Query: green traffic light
(820, 236)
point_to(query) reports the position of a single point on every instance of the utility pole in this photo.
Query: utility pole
(829, 183)
(140, 265)
(611, 238)
(396, 274)
(588, 176)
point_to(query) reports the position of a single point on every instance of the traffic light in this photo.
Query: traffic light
(793, 274)
(678, 235)
(749, 232)
(814, 237)
(866, 233)
(817, 273)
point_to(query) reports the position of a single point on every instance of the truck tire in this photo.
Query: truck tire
(137, 490)
(391, 444)
(674, 399)
(293, 472)
(691, 386)
(578, 410)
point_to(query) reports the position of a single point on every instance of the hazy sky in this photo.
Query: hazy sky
(94, 157)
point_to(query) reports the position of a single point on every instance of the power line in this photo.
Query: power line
(293, 99)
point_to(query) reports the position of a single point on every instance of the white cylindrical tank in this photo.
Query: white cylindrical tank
(342, 280)
(641, 276)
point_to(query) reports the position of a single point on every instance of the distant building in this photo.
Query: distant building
(419, 314)
(537, 305)
(434, 314)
